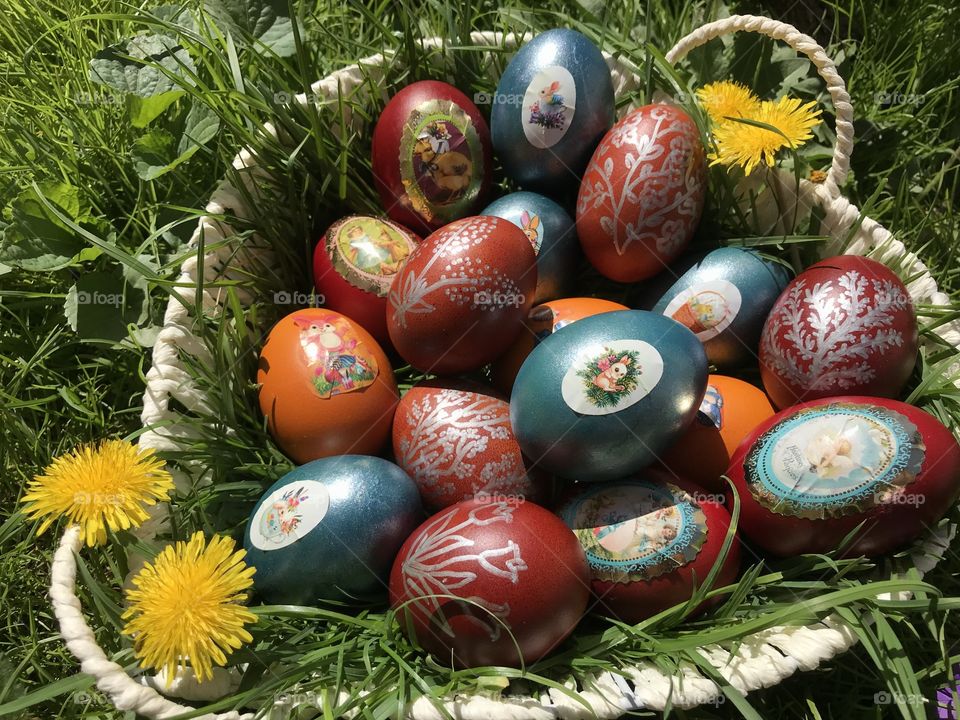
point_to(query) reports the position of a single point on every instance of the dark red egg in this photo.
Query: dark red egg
(845, 326)
(432, 157)
(455, 440)
(808, 476)
(515, 569)
(354, 264)
(650, 541)
(460, 299)
(642, 193)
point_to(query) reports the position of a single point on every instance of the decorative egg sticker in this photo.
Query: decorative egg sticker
(459, 300)
(551, 99)
(812, 473)
(610, 377)
(843, 326)
(707, 309)
(642, 194)
(518, 576)
(431, 155)
(326, 387)
(288, 514)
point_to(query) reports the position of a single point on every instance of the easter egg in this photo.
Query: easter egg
(649, 542)
(460, 299)
(354, 264)
(730, 410)
(518, 575)
(553, 104)
(326, 387)
(725, 299)
(431, 156)
(330, 529)
(642, 193)
(809, 475)
(844, 326)
(454, 439)
(552, 234)
(541, 321)
(605, 396)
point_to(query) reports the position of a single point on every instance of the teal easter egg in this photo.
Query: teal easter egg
(553, 235)
(330, 529)
(724, 299)
(553, 105)
(605, 396)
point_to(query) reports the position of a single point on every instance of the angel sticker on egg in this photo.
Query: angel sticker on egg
(339, 360)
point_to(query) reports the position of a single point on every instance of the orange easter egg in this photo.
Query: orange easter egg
(326, 387)
(730, 410)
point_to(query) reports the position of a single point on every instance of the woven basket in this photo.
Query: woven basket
(760, 660)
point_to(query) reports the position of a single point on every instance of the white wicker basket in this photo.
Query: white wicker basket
(760, 660)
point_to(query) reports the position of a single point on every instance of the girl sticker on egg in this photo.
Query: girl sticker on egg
(548, 106)
(288, 514)
(707, 308)
(339, 360)
(608, 378)
(638, 531)
(833, 460)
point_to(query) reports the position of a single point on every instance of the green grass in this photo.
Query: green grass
(62, 385)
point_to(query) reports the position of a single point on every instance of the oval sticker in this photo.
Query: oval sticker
(548, 106)
(337, 360)
(367, 252)
(706, 308)
(609, 377)
(289, 514)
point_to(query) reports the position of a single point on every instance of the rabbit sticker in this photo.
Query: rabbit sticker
(611, 377)
(530, 224)
(548, 106)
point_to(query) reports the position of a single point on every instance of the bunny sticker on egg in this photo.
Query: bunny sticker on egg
(339, 361)
(548, 106)
(610, 378)
(530, 224)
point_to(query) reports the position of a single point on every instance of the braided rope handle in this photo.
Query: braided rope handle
(802, 43)
(762, 659)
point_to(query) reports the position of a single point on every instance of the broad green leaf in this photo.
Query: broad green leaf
(155, 153)
(201, 127)
(134, 66)
(101, 305)
(143, 110)
(264, 20)
(35, 238)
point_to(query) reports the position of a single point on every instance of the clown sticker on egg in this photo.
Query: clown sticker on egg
(339, 360)
(289, 514)
(706, 308)
(611, 377)
(368, 252)
(637, 531)
(441, 164)
(549, 104)
(834, 460)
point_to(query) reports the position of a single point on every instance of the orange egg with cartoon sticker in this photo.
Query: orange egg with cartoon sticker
(731, 409)
(326, 387)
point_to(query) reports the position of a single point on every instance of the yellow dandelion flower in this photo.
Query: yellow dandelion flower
(727, 99)
(748, 145)
(97, 488)
(187, 606)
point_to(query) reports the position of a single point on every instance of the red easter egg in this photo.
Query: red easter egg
(326, 387)
(642, 193)
(812, 473)
(354, 264)
(844, 326)
(541, 321)
(455, 440)
(432, 156)
(730, 410)
(517, 566)
(460, 299)
(650, 541)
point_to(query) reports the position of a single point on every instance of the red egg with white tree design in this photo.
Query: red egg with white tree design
(354, 264)
(459, 300)
(518, 575)
(642, 194)
(432, 158)
(811, 474)
(845, 326)
(455, 440)
(650, 541)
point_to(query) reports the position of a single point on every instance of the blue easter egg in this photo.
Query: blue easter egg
(330, 529)
(551, 232)
(604, 396)
(724, 300)
(553, 105)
